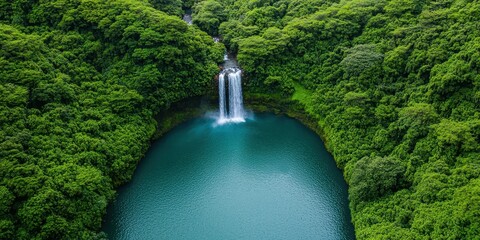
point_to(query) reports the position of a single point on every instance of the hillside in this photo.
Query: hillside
(394, 85)
(80, 84)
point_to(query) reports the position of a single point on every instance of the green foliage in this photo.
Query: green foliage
(276, 84)
(395, 86)
(80, 84)
(360, 58)
(172, 7)
(374, 177)
(208, 15)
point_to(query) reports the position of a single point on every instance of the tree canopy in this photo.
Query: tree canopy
(393, 84)
(395, 87)
(80, 84)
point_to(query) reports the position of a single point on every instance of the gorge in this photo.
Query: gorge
(223, 176)
(391, 87)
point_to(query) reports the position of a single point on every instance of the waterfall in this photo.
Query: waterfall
(235, 98)
(221, 95)
(187, 18)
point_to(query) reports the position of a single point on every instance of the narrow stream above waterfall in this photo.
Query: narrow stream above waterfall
(187, 17)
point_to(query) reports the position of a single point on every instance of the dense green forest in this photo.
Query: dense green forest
(80, 83)
(395, 86)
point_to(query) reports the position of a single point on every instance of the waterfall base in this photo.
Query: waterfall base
(221, 121)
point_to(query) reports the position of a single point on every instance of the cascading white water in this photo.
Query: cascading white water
(235, 99)
(221, 95)
(187, 18)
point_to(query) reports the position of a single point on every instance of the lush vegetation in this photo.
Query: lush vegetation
(80, 84)
(395, 86)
